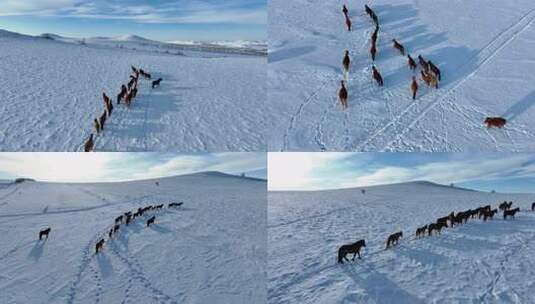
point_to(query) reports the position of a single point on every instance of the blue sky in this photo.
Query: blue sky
(481, 171)
(164, 20)
(108, 167)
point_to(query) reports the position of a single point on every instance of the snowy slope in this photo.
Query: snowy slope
(51, 90)
(212, 248)
(482, 47)
(479, 262)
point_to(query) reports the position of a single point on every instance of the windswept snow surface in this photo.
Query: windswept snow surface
(480, 262)
(483, 48)
(51, 90)
(212, 249)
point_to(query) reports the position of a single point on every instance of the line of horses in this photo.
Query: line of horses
(451, 220)
(128, 93)
(126, 219)
(430, 74)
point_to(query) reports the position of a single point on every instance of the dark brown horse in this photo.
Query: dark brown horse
(151, 221)
(411, 62)
(435, 227)
(377, 76)
(393, 239)
(510, 213)
(421, 231)
(89, 144)
(99, 245)
(44, 232)
(398, 47)
(342, 95)
(354, 248)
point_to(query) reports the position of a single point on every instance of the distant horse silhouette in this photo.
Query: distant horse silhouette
(377, 76)
(175, 204)
(342, 95)
(398, 46)
(498, 122)
(151, 221)
(354, 248)
(98, 246)
(44, 232)
(348, 24)
(119, 219)
(423, 63)
(393, 239)
(345, 63)
(116, 228)
(89, 144)
(412, 63)
(421, 231)
(435, 227)
(510, 213)
(414, 87)
(345, 10)
(156, 83)
(532, 206)
(435, 70)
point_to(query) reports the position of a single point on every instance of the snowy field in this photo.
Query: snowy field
(480, 262)
(211, 98)
(211, 249)
(483, 48)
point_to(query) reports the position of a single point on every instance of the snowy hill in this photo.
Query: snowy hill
(51, 90)
(485, 57)
(479, 262)
(210, 249)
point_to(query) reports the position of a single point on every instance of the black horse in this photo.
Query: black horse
(354, 248)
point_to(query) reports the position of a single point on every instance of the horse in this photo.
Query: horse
(151, 221)
(44, 232)
(532, 206)
(414, 87)
(119, 219)
(373, 51)
(174, 205)
(429, 79)
(121, 94)
(156, 83)
(116, 228)
(510, 213)
(377, 76)
(342, 95)
(374, 35)
(424, 64)
(128, 219)
(354, 248)
(411, 62)
(421, 231)
(345, 10)
(345, 63)
(110, 233)
(489, 214)
(503, 206)
(398, 46)
(435, 70)
(102, 120)
(393, 239)
(89, 144)
(348, 24)
(99, 245)
(368, 10)
(434, 226)
(96, 125)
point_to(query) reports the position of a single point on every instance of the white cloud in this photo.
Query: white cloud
(315, 171)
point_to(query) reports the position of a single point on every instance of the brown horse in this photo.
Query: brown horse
(414, 87)
(89, 144)
(151, 221)
(102, 120)
(373, 51)
(342, 95)
(393, 239)
(423, 63)
(44, 232)
(411, 62)
(345, 63)
(398, 46)
(96, 125)
(435, 226)
(435, 70)
(377, 76)
(497, 122)
(429, 79)
(510, 213)
(354, 248)
(99, 245)
(348, 24)
(421, 231)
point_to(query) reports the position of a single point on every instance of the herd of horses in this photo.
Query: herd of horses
(451, 220)
(126, 218)
(128, 93)
(430, 74)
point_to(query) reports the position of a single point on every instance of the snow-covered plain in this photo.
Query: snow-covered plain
(211, 98)
(480, 262)
(484, 49)
(210, 250)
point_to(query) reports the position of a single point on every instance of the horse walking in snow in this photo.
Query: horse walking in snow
(354, 248)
